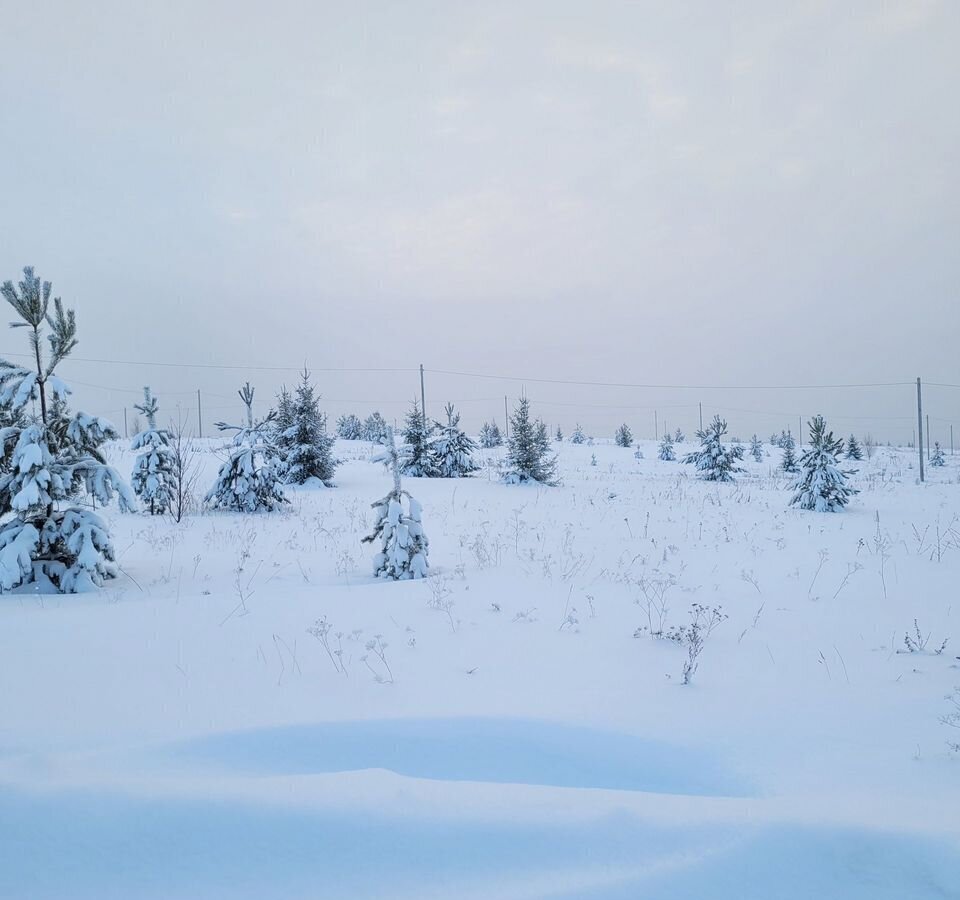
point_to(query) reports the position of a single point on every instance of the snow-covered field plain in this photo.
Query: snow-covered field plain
(502, 729)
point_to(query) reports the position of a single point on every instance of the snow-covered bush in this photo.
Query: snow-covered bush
(250, 479)
(624, 436)
(418, 457)
(528, 456)
(578, 437)
(822, 485)
(936, 458)
(153, 470)
(399, 526)
(490, 436)
(308, 449)
(713, 461)
(666, 451)
(51, 462)
(452, 448)
(350, 428)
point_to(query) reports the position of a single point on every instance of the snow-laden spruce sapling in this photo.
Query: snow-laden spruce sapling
(936, 458)
(51, 462)
(756, 448)
(349, 428)
(374, 428)
(854, 450)
(822, 485)
(624, 436)
(490, 436)
(399, 527)
(418, 457)
(528, 459)
(453, 449)
(153, 470)
(713, 460)
(666, 451)
(306, 446)
(578, 437)
(250, 479)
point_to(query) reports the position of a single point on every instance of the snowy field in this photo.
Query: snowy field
(506, 729)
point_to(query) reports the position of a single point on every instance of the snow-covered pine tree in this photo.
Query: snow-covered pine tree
(250, 479)
(666, 451)
(578, 437)
(528, 456)
(559, 435)
(786, 440)
(46, 468)
(490, 436)
(624, 436)
(756, 448)
(936, 458)
(789, 461)
(309, 449)
(349, 428)
(153, 469)
(854, 451)
(399, 526)
(374, 428)
(452, 448)
(714, 461)
(822, 485)
(417, 455)
(679, 437)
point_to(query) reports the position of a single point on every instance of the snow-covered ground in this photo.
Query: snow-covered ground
(499, 730)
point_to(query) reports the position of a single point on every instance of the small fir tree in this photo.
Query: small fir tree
(756, 448)
(282, 419)
(624, 436)
(528, 456)
(153, 469)
(559, 435)
(417, 455)
(789, 461)
(374, 428)
(854, 451)
(349, 428)
(399, 526)
(51, 461)
(250, 479)
(309, 449)
(822, 485)
(936, 458)
(454, 450)
(714, 461)
(666, 451)
(578, 437)
(490, 436)
(679, 437)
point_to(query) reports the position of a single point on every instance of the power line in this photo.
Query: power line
(692, 387)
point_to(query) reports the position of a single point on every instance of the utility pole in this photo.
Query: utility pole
(423, 399)
(920, 427)
(506, 417)
(928, 437)
(199, 416)
(125, 423)
(701, 417)
(951, 440)
(656, 426)
(799, 432)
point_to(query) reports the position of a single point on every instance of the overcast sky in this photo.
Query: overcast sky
(701, 193)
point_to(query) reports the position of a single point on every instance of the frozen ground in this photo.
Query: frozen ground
(169, 737)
